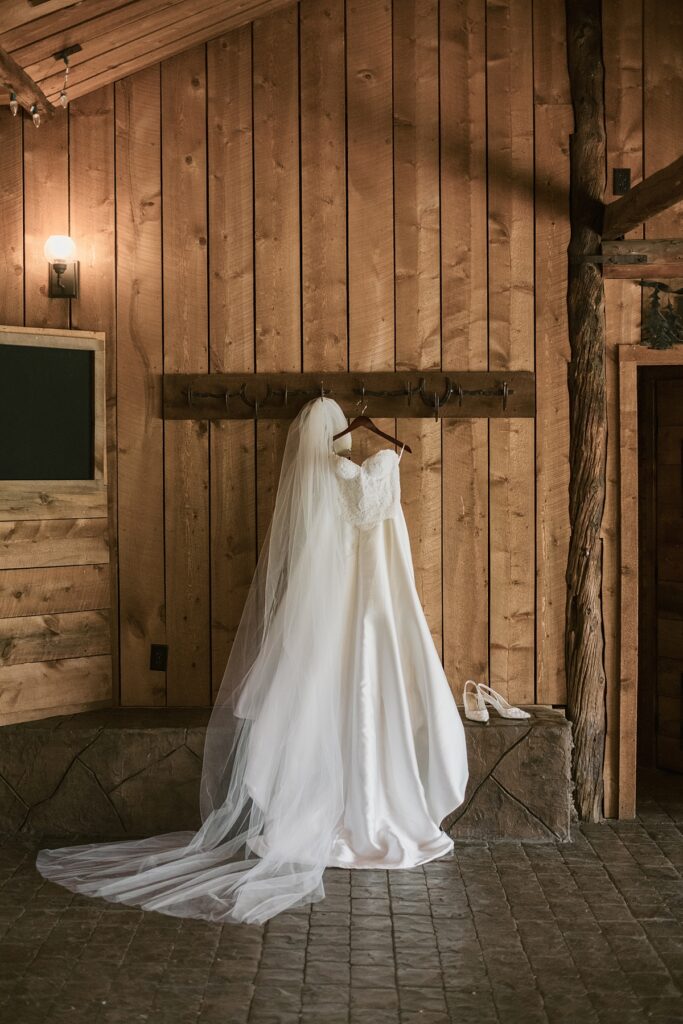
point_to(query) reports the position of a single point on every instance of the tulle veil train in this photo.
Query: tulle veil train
(272, 773)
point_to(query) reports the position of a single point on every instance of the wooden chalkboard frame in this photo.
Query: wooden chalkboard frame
(59, 499)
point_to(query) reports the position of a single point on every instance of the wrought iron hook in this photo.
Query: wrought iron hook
(437, 401)
(256, 403)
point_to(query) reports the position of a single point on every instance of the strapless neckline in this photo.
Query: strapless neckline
(370, 458)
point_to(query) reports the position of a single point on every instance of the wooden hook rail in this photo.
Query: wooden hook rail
(405, 394)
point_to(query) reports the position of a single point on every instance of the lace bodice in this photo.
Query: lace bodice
(371, 492)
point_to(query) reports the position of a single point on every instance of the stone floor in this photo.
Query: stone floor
(590, 931)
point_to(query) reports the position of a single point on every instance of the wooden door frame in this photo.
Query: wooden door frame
(631, 358)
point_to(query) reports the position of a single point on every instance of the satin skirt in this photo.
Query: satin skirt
(404, 761)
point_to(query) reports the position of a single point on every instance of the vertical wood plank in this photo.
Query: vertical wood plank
(622, 52)
(140, 428)
(552, 126)
(276, 228)
(46, 212)
(12, 220)
(186, 455)
(370, 192)
(12, 252)
(323, 185)
(511, 344)
(464, 325)
(627, 442)
(92, 215)
(663, 99)
(231, 317)
(370, 184)
(417, 281)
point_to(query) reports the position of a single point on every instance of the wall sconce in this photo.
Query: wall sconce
(63, 268)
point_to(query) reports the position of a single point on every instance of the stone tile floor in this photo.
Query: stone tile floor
(590, 931)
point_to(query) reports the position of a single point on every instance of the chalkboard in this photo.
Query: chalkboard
(46, 413)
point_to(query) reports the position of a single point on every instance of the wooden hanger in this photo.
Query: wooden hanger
(365, 421)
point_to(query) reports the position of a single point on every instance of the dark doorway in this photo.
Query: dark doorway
(660, 480)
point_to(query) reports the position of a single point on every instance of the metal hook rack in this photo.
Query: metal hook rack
(467, 394)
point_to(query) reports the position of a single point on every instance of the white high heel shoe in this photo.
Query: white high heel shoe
(473, 703)
(497, 701)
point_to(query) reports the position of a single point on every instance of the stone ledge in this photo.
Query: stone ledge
(123, 772)
(520, 783)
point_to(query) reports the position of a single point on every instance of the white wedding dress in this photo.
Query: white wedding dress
(335, 740)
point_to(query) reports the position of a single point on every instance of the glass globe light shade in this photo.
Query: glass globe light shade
(60, 249)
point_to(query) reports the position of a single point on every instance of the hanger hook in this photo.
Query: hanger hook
(189, 395)
(505, 392)
(361, 403)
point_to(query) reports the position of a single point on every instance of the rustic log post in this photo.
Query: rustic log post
(584, 646)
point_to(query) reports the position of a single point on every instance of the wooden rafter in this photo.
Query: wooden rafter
(584, 643)
(15, 79)
(649, 197)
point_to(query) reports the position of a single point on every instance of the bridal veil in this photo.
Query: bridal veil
(272, 775)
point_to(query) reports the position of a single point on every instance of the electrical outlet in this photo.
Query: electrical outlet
(158, 657)
(621, 180)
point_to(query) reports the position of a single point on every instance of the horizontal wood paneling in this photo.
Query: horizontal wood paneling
(70, 588)
(49, 637)
(33, 542)
(71, 500)
(49, 687)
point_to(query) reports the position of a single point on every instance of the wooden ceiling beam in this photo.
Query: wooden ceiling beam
(14, 13)
(14, 78)
(663, 259)
(64, 20)
(109, 27)
(649, 197)
(112, 66)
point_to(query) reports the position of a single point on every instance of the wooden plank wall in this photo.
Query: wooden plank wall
(58, 578)
(347, 184)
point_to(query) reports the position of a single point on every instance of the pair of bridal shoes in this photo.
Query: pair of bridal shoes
(476, 696)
